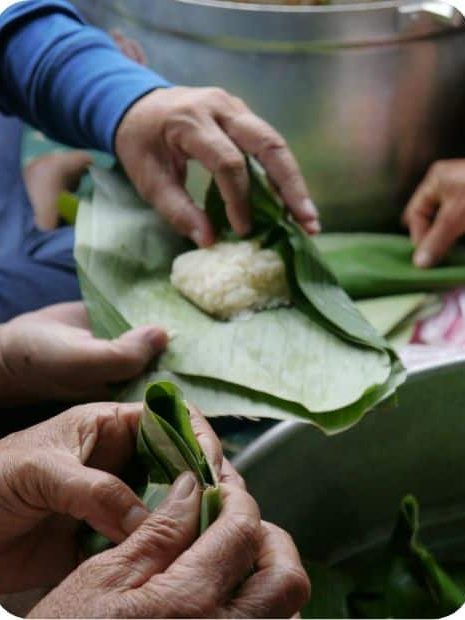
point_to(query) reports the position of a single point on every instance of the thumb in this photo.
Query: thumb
(163, 536)
(126, 356)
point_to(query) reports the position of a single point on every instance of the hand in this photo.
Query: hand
(52, 476)
(51, 355)
(239, 568)
(435, 214)
(166, 128)
(62, 471)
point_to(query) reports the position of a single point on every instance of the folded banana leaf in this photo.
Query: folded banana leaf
(319, 361)
(166, 448)
(405, 581)
(372, 265)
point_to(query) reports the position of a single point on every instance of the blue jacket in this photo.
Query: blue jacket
(70, 80)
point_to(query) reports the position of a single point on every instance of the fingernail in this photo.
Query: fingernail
(423, 259)
(309, 208)
(158, 339)
(184, 486)
(197, 237)
(134, 519)
(314, 227)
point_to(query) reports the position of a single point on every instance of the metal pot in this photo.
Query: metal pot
(339, 496)
(368, 95)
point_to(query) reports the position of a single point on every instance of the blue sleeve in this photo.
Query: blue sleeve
(66, 77)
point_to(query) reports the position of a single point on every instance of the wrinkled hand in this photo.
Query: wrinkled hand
(55, 474)
(51, 355)
(62, 471)
(166, 128)
(435, 215)
(239, 568)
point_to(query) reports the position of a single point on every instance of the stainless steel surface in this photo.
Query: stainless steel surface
(368, 95)
(339, 495)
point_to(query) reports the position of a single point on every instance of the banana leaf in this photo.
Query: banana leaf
(372, 265)
(166, 447)
(319, 361)
(405, 581)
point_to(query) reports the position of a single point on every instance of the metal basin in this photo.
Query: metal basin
(339, 495)
(368, 95)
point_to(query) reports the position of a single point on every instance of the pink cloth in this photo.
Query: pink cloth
(446, 327)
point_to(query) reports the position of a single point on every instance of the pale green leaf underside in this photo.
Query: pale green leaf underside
(278, 364)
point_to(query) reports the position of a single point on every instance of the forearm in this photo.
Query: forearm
(64, 76)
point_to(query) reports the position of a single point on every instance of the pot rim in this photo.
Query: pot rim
(346, 7)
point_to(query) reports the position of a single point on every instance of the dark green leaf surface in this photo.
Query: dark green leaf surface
(405, 581)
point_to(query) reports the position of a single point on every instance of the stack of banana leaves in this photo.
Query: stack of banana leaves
(319, 360)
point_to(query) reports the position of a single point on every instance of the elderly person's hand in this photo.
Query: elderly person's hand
(239, 568)
(435, 215)
(51, 354)
(166, 128)
(63, 470)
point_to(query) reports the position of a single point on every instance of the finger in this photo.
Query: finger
(107, 434)
(419, 213)
(279, 586)
(208, 440)
(178, 208)
(255, 136)
(212, 568)
(446, 229)
(138, 54)
(163, 536)
(230, 476)
(123, 358)
(64, 486)
(121, 41)
(213, 149)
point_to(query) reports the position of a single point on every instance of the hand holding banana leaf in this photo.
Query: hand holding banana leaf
(318, 360)
(435, 214)
(51, 355)
(56, 473)
(168, 127)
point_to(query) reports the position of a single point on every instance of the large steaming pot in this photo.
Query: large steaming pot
(368, 95)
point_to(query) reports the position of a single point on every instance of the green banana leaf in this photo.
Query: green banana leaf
(319, 361)
(372, 265)
(166, 447)
(405, 581)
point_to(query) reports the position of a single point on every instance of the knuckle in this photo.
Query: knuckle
(219, 94)
(231, 164)
(98, 572)
(178, 218)
(245, 531)
(448, 218)
(295, 584)
(198, 600)
(273, 142)
(158, 536)
(105, 488)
